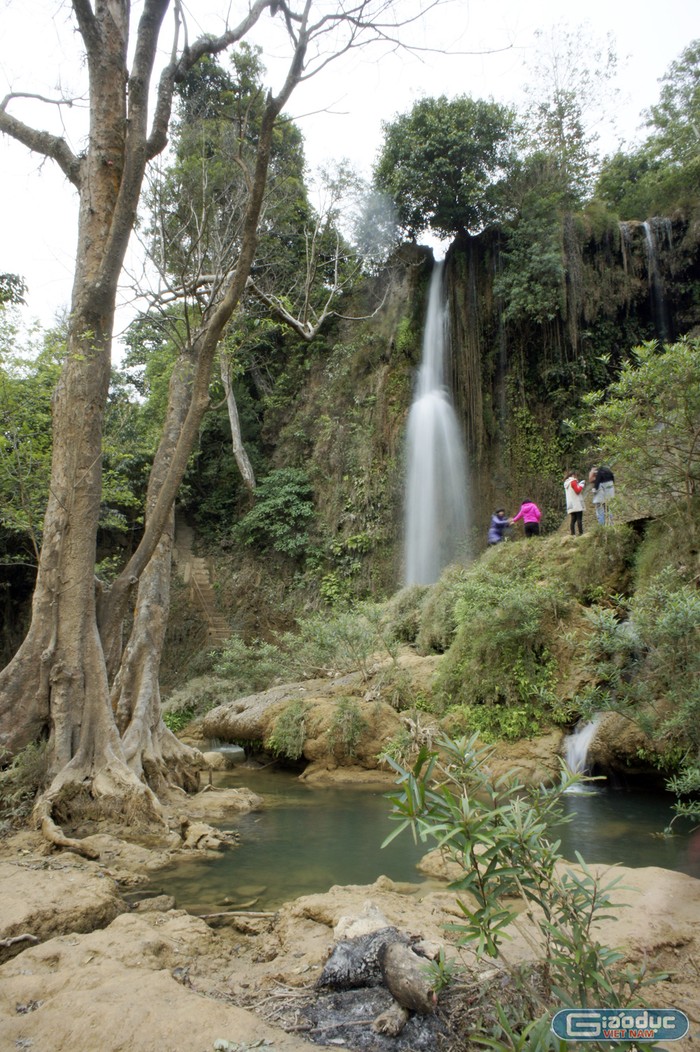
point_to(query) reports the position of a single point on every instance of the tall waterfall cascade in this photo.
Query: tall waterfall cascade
(436, 479)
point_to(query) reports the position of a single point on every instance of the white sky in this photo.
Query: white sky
(38, 209)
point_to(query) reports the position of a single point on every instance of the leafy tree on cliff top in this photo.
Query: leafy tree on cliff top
(441, 164)
(664, 173)
(569, 92)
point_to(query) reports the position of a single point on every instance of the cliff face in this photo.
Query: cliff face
(518, 383)
(517, 380)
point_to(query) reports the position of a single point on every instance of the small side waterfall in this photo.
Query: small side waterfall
(576, 747)
(656, 288)
(436, 497)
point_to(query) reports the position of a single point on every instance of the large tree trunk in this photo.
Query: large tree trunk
(58, 684)
(151, 750)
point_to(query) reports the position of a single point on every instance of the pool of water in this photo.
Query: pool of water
(308, 839)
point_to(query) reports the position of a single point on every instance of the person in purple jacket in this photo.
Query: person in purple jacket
(531, 515)
(499, 524)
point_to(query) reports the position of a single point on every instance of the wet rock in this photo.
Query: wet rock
(158, 903)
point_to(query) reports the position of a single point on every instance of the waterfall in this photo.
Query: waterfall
(436, 497)
(656, 289)
(576, 748)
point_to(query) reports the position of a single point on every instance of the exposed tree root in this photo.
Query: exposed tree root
(114, 795)
(55, 835)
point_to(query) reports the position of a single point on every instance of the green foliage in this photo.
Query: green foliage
(321, 645)
(249, 667)
(648, 666)
(531, 281)
(441, 162)
(288, 733)
(404, 611)
(12, 289)
(535, 453)
(499, 832)
(438, 622)
(346, 641)
(602, 569)
(647, 424)
(407, 339)
(176, 720)
(346, 728)
(663, 175)
(500, 666)
(20, 784)
(281, 515)
(686, 788)
(27, 381)
(676, 116)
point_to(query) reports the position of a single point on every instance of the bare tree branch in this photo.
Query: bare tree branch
(42, 142)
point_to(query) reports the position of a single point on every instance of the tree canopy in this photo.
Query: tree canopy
(663, 174)
(442, 161)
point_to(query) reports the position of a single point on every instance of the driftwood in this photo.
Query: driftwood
(236, 913)
(19, 938)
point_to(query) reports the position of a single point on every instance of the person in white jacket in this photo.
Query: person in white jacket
(573, 488)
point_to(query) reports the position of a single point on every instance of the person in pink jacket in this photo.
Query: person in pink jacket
(531, 515)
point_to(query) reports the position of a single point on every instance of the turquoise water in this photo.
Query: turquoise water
(308, 839)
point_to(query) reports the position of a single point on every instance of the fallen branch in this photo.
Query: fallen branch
(19, 938)
(236, 913)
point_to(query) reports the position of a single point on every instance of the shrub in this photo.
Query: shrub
(500, 657)
(498, 833)
(648, 668)
(20, 783)
(438, 622)
(282, 512)
(288, 733)
(346, 729)
(404, 610)
(249, 667)
(348, 640)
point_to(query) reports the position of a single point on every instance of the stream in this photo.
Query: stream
(308, 839)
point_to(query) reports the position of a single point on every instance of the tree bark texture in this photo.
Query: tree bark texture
(103, 760)
(57, 686)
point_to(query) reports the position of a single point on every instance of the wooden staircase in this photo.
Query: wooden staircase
(194, 571)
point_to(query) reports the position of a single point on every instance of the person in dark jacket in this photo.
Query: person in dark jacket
(603, 493)
(498, 527)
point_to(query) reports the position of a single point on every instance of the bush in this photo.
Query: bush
(500, 658)
(346, 729)
(404, 611)
(649, 666)
(346, 641)
(288, 733)
(282, 512)
(499, 834)
(20, 784)
(438, 622)
(249, 667)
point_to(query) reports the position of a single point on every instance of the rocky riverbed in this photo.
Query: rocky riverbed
(85, 969)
